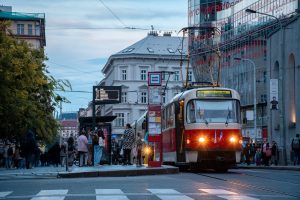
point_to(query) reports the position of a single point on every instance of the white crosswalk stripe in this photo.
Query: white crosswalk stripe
(110, 194)
(225, 194)
(118, 194)
(51, 195)
(4, 194)
(169, 194)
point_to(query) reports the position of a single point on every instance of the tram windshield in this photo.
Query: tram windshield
(213, 111)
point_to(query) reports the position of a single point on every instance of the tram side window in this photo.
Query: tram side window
(191, 112)
(169, 116)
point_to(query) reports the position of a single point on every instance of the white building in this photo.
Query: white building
(129, 68)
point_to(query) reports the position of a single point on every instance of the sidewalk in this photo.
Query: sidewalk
(271, 167)
(76, 172)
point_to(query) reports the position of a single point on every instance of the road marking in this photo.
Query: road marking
(225, 194)
(4, 194)
(51, 195)
(169, 194)
(217, 191)
(110, 194)
(237, 197)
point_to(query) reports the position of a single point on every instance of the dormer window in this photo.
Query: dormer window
(150, 50)
(170, 50)
(128, 50)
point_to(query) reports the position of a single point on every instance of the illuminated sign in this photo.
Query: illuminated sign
(107, 94)
(214, 93)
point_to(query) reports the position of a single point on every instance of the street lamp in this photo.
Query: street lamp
(281, 78)
(254, 91)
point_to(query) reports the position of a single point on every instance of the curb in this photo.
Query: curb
(270, 168)
(119, 173)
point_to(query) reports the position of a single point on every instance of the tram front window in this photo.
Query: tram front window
(213, 111)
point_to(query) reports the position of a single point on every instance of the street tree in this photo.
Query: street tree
(27, 97)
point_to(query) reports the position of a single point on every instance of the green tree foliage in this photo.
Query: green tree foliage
(27, 98)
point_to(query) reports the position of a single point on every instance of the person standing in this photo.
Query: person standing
(274, 158)
(98, 148)
(139, 146)
(29, 149)
(128, 144)
(90, 146)
(296, 149)
(82, 148)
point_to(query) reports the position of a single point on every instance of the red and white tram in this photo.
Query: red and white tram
(201, 128)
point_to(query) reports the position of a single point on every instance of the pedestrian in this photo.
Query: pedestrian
(139, 147)
(115, 151)
(128, 144)
(296, 148)
(274, 158)
(98, 148)
(63, 155)
(258, 156)
(82, 148)
(29, 149)
(71, 151)
(90, 146)
(248, 153)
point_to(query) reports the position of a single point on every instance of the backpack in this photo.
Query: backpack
(296, 143)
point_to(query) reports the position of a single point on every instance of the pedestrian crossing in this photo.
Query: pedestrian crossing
(118, 194)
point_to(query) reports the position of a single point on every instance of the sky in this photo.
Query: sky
(82, 34)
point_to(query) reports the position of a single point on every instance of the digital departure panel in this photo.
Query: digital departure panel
(214, 93)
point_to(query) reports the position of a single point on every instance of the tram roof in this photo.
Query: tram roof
(183, 95)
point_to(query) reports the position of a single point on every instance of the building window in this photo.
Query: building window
(124, 74)
(143, 75)
(37, 29)
(124, 97)
(20, 29)
(30, 30)
(190, 76)
(144, 97)
(120, 121)
(176, 76)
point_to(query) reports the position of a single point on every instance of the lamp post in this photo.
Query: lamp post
(281, 78)
(254, 91)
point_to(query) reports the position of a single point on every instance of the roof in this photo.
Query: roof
(21, 16)
(153, 45)
(69, 123)
(158, 45)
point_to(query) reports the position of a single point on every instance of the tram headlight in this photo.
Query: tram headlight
(201, 140)
(233, 139)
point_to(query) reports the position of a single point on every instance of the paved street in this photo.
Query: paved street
(248, 184)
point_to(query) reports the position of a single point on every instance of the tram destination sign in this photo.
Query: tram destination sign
(214, 93)
(106, 94)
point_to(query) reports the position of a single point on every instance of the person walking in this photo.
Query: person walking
(128, 144)
(71, 151)
(98, 148)
(296, 149)
(82, 148)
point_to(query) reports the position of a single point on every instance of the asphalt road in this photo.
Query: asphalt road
(242, 184)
